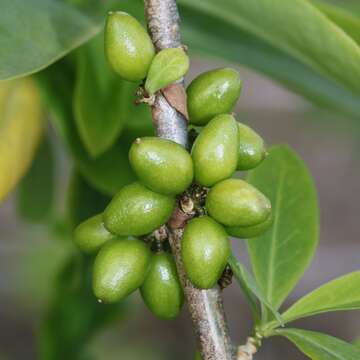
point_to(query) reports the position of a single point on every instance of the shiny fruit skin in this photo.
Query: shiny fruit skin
(128, 46)
(136, 210)
(212, 93)
(161, 165)
(91, 234)
(215, 151)
(205, 250)
(120, 268)
(249, 232)
(234, 202)
(251, 148)
(161, 290)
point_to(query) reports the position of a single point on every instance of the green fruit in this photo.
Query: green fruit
(215, 151)
(168, 66)
(161, 290)
(251, 148)
(248, 232)
(212, 93)
(136, 210)
(162, 165)
(91, 234)
(205, 250)
(128, 46)
(119, 269)
(234, 202)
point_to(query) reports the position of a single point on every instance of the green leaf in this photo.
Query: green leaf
(251, 289)
(83, 201)
(36, 190)
(101, 99)
(280, 256)
(21, 127)
(228, 42)
(357, 343)
(299, 29)
(168, 66)
(345, 19)
(339, 294)
(35, 34)
(318, 346)
(110, 171)
(74, 316)
(38, 32)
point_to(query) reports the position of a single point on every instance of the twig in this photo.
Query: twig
(205, 306)
(247, 351)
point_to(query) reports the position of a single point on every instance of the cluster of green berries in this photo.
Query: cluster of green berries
(131, 236)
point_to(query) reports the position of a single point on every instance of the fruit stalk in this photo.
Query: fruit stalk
(205, 306)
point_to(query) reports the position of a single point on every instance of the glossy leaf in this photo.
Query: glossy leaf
(39, 32)
(251, 289)
(74, 316)
(83, 201)
(348, 20)
(318, 346)
(167, 66)
(280, 256)
(303, 32)
(228, 41)
(102, 101)
(110, 171)
(21, 127)
(339, 294)
(36, 190)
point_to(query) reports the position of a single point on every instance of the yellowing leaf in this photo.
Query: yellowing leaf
(21, 125)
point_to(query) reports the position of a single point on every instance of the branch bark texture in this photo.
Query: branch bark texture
(205, 306)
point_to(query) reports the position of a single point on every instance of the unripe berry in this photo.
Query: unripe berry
(212, 93)
(128, 46)
(162, 165)
(251, 148)
(136, 210)
(161, 289)
(248, 232)
(234, 202)
(215, 151)
(205, 250)
(119, 269)
(91, 234)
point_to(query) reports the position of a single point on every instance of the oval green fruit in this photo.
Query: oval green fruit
(162, 165)
(212, 93)
(136, 210)
(205, 250)
(215, 151)
(128, 46)
(161, 290)
(119, 269)
(251, 148)
(91, 234)
(234, 202)
(168, 66)
(248, 232)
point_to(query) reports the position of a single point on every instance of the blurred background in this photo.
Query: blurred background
(31, 256)
(49, 314)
